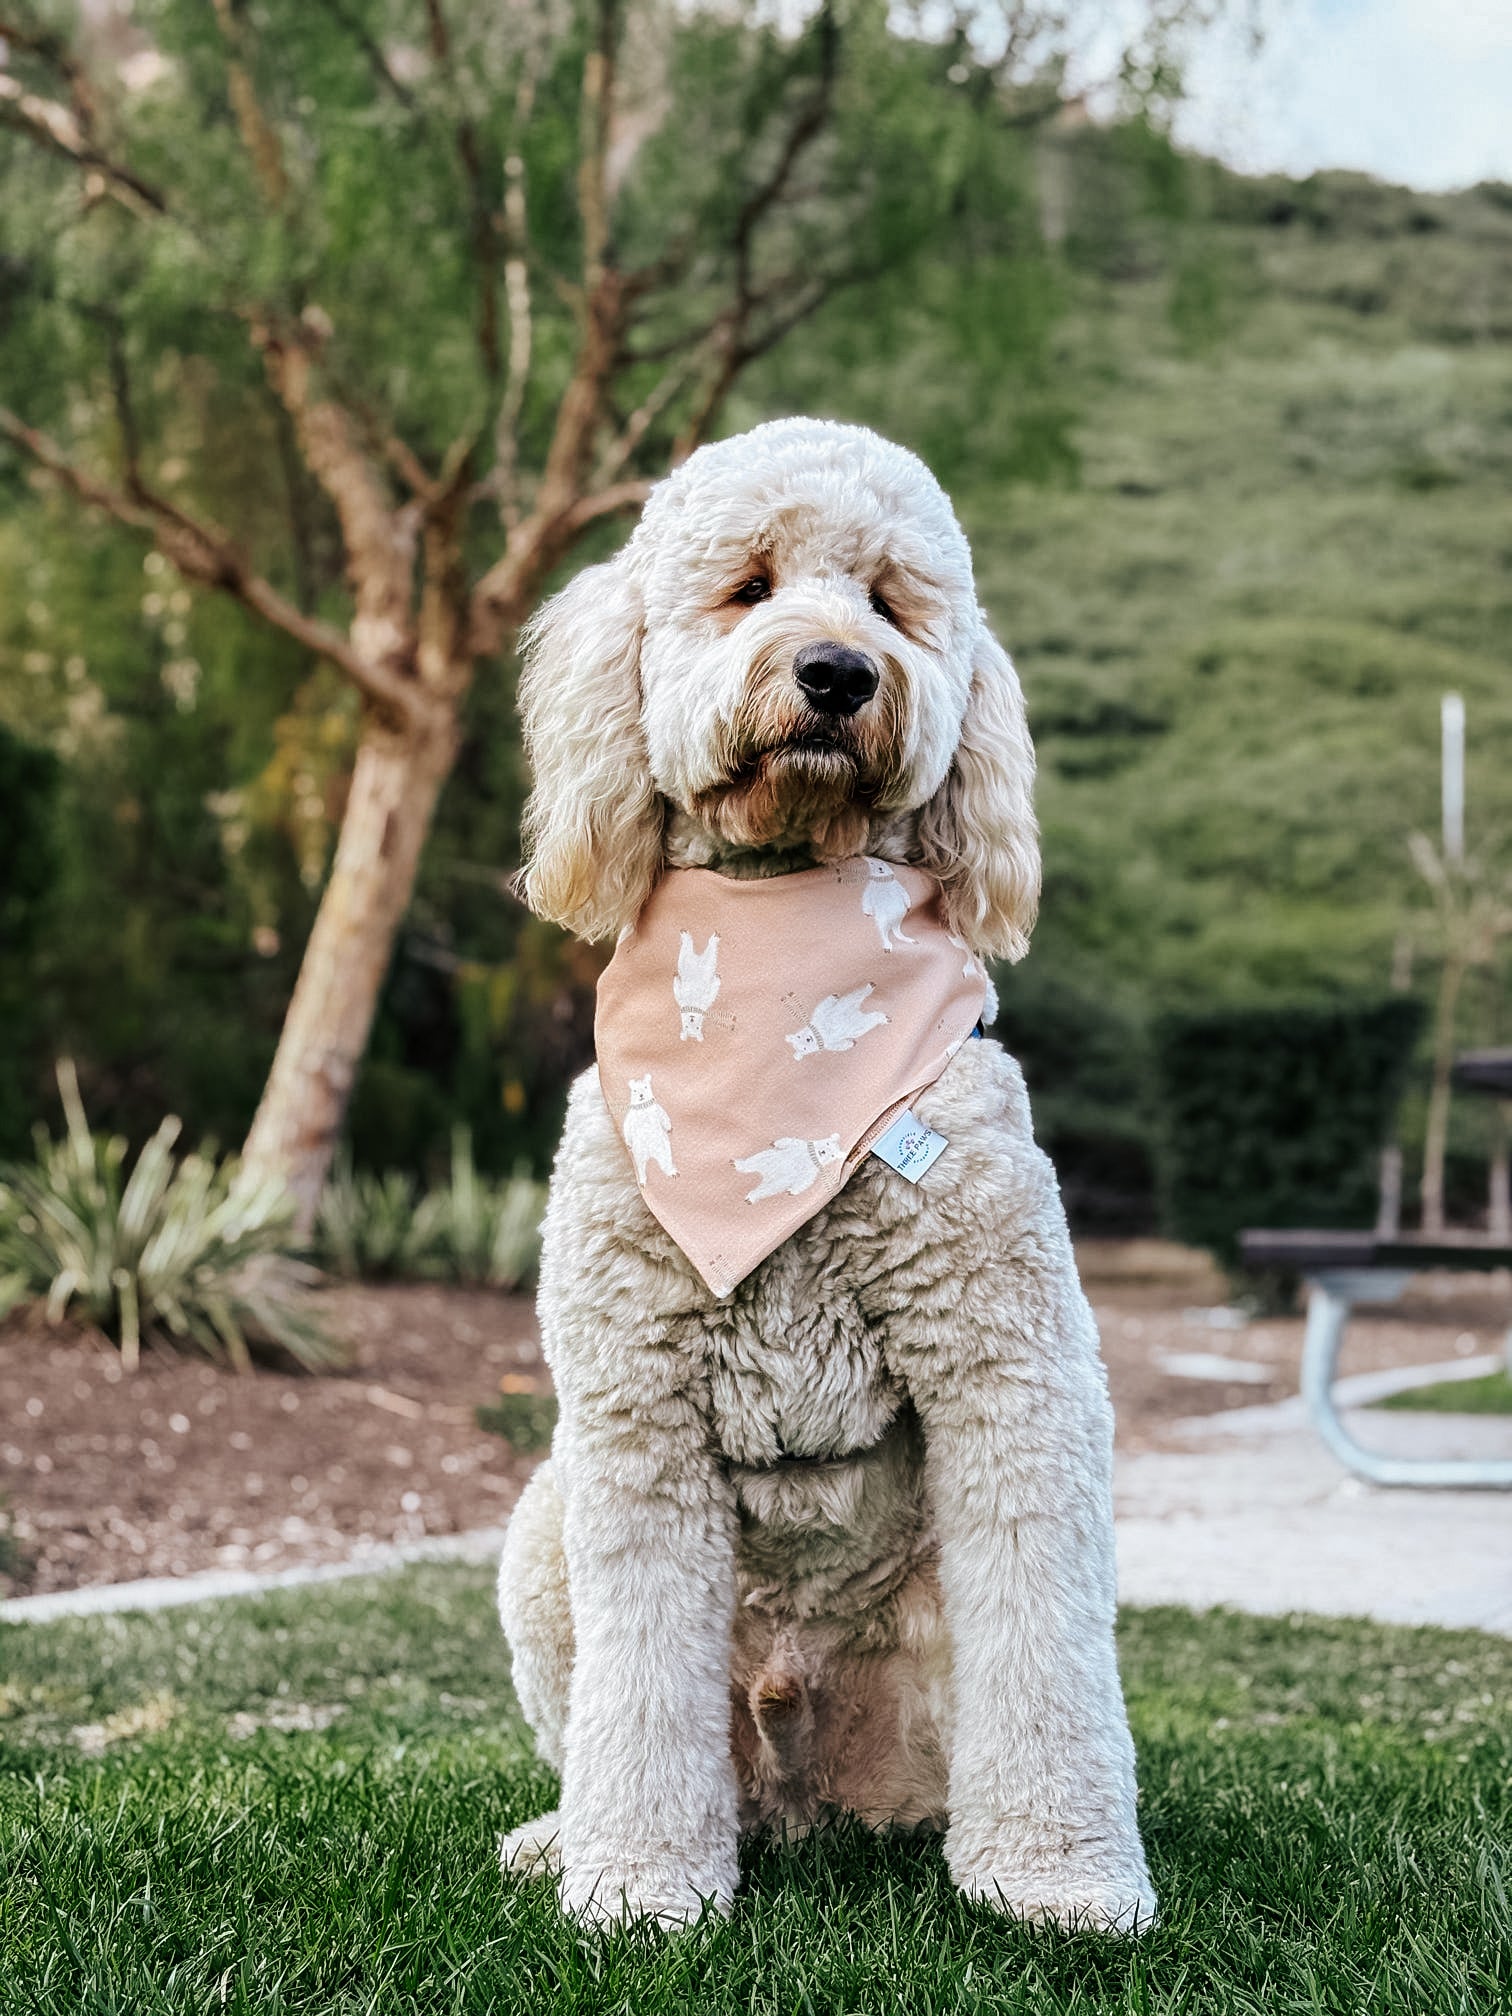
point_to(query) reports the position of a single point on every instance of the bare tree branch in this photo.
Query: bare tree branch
(669, 387)
(205, 554)
(54, 54)
(58, 129)
(379, 540)
(258, 137)
(537, 542)
(408, 467)
(483, 230)
(606, 503)
(597, 112)
(505, 479)
(729, 332)
(807, 125)
(745, 346)
(569, 498)
(502, 598)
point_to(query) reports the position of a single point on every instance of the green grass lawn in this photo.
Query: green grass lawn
(1491, 1395)
(289, 1804)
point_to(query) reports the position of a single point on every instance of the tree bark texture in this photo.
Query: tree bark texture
(396, 781)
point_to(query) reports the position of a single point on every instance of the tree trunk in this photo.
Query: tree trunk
(396, 781)
(1436, 1133)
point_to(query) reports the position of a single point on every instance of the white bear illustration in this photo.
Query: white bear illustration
(789, 1166)
(886, 902)
(648, 1130)
(973, 967)
(836, 1023)
(696, 984)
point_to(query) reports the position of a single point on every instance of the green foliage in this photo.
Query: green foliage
(375, 1227)
(1489, 1395)
(1277, 1115)
(1085, 1061)
(1326, 1806)
(490, 1231)
(188, 1252)
(29, 779)
(525, 1420)
(15, 1565)
(28, 848)
(470, 1229)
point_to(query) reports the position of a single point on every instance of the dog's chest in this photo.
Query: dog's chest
(796, 1370)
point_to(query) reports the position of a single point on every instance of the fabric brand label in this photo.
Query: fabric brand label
(909, 1146)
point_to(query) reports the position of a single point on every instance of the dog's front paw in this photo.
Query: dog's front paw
(1081, 1891)
(534, 1849)
(645, 1892)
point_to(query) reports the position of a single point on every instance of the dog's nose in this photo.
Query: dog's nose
(834, 679)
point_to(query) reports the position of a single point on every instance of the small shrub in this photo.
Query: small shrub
(1276, 1116)
(471, 1229)
(490, 1231)
(376, 1228)
(15, 1564)
(188, 1251)
(524, 1420)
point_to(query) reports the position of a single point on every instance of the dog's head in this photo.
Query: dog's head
(788, 651)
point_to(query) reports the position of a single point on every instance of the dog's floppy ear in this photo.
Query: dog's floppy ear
(593, 826)
(978, 833)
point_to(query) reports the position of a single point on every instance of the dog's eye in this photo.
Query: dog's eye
(883, 607)
(749, 593)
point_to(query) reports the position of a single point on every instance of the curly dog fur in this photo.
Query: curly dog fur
(843, 1541)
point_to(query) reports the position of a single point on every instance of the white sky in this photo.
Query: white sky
(1415, 91)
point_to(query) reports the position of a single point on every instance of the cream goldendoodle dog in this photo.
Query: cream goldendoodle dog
(841, 1540)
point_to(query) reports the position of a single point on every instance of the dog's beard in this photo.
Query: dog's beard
(802, 780)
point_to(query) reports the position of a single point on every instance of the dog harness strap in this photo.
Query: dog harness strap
(755, 1037)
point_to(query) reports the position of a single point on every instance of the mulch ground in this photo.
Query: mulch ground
(181, 1466)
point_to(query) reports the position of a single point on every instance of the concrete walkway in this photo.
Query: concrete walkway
(1251, 1513)
(1254, 1513)
(168, 1592)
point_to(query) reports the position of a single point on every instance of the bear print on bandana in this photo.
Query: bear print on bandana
(836, 1023)
(973, 968)
(887, 903)
(789, 1166)
(697, 984)
(648, 1130)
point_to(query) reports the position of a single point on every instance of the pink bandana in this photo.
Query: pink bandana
(756, 1037)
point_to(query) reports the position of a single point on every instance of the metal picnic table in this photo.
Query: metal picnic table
(1343, 1269)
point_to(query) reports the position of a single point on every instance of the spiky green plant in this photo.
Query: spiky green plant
(471, 1228)
(489, 1232)
(187, 1250)
(378, 1227)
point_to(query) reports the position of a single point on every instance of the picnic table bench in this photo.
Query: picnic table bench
(1344, 1269)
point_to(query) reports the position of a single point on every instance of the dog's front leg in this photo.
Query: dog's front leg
(648, 1787)
(1001, 1356)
